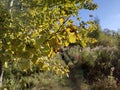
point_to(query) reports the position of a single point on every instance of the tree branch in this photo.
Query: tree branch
(57, 30)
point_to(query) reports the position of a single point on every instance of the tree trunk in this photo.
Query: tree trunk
(10, 5)
(1, 73)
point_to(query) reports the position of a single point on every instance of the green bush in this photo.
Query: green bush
(107, 40)
(90, 69)
(14, 79)
(92, 64)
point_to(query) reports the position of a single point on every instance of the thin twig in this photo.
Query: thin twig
(57, 30)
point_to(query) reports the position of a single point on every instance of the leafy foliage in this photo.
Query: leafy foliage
(32, 31)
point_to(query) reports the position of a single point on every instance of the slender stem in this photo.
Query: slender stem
(57, 30)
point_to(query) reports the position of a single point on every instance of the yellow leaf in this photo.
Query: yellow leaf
(37, 62)
(68, 29)
(83, 43)
(66, 43)
(61, 20)
(51, 53)
(6, 65)
(74, 27)
(72, 38)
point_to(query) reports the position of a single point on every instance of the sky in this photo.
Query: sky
(108, 13)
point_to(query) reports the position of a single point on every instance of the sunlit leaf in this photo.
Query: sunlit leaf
(72, 38)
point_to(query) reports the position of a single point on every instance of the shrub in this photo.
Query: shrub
(92, 65)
